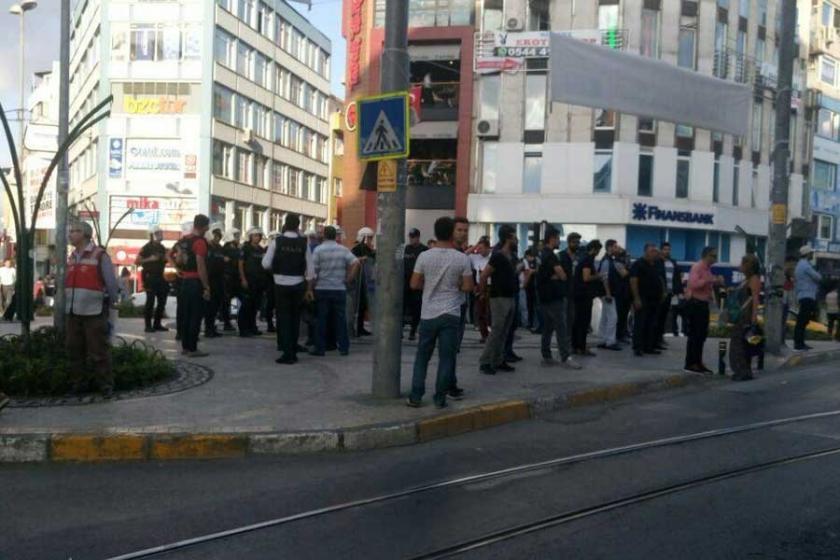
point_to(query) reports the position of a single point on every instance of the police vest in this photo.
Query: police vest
(84, 284)
(289, 256)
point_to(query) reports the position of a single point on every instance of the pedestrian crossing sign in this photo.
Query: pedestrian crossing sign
(383, 127)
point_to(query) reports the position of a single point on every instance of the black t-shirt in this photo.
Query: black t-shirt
(231, 251)
(252, 258)
(503, 279)
(215, 260)
(584, 290)
(650, 281)
(568, 262)
(154, 269)
(550, 288)
(410, 257)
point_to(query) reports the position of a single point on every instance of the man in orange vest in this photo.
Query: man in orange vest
(91, 288)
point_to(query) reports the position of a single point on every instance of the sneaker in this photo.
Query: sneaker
(742, 377)
(257, 332)
(569, 363)
(487, 370)
(456, 394)
(149, 330)
(549, 362)
(695, 370)
(513, 358)
(413, 403)
(287, 360)
(504, 366)
(197, 354)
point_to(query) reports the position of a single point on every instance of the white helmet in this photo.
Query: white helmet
(364, 232)
(218, 226)
(255, 231)
(155, 228)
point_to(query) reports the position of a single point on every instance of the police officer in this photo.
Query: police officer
(216, 278)
(289, 260)
(252, 282)
(364, 251)
(152, 258)
(231, 253)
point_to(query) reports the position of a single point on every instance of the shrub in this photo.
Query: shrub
(41, 368)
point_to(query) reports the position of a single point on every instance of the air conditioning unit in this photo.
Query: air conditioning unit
(248, 135)
(487, 128)
(515, 24)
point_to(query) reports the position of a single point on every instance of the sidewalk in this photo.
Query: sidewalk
(325, 403)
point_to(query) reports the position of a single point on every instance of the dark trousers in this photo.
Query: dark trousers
(412, 306)
(231, 291)
(833, 319)
(331, 306)
(193, 308)
(697, 313)
(644, 327)
(662, 319)
(157, 290)
(288, 301)
(217, 297)
(86, 340)
(11, 308)
(531, 305)
(511, 334)
(443, 329)
(622, 306)
(250, 305)
(583, 318)
(807, 312)
(268, 313)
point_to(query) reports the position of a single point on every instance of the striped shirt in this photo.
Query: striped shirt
(330, 262)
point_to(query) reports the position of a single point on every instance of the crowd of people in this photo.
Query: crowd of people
(293, 280)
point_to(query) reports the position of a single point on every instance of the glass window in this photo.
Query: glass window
(826, 14)
(825, 176)
(223, 104)
(489, 160)
(762, 12)
(716, 181)
(736, 173)
(602, 180)
(825, 227)
(532, 179)
(650, 33)
(645, 184)
(170, 45)
(721, 58)
(686, 56)
(684, 131)
(490, 88)
(744, 10)
(683, 176)
(241, 115)
(604, 119)
(828, 124)
(538, 16)
(535, 94)
(260, 64)
(243, 59)
(492, 17)
(608, 17)
(143, 42)
(828, 70)
(757, 113)
(294, 181)
(278, 178)
(760, 47)
(243, 166)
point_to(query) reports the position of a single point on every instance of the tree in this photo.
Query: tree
(26, 236)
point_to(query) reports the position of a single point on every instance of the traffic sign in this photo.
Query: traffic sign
(386, 176)
(383, 127)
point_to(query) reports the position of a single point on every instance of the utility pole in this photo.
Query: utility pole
(63, 175)
(387, 352)
(777, 242)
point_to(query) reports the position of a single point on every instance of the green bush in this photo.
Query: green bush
(41, 368)
(127, 310)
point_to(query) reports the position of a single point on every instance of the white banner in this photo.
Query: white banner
(593, 76)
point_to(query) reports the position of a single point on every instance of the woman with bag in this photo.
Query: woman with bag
(746, 340)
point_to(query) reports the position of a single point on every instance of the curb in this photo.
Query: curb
(810, 358)
(77, 448)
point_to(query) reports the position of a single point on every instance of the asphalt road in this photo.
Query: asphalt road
(788, 511)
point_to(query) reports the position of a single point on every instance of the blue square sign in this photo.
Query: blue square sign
(383, 127)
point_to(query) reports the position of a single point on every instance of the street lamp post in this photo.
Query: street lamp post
(20, 10)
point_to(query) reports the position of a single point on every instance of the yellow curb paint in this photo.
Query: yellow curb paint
(97, 448)
(444, 426)
(603, 394)
(198, 447)
(794, 361)
(501, 413)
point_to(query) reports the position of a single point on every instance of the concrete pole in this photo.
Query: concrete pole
(387, 352)
(61, 208)
(777, 241)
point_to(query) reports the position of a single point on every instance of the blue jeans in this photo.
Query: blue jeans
(331, 305)
(445, 329)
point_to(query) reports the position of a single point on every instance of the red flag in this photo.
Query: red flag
(414, 98)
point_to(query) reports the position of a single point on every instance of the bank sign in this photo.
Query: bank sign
(643, 212)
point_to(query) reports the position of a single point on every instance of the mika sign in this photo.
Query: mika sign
(642, 212)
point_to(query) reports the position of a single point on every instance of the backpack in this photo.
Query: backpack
(184, 254)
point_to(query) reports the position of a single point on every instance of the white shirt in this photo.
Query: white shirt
(283, 279)
(8, 275)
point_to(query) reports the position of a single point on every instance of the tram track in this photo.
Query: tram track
(514, 471)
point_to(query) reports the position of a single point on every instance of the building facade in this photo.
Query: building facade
(819, 25)
(220, 107)
(441, 76)
(626, 177)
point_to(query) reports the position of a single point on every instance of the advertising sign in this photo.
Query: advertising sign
(159, 160)
(115, 158)
(502, 51)
(167, 212)
(34, 169)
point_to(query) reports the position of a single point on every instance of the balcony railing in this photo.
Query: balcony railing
(439, 101)
(431, 172)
